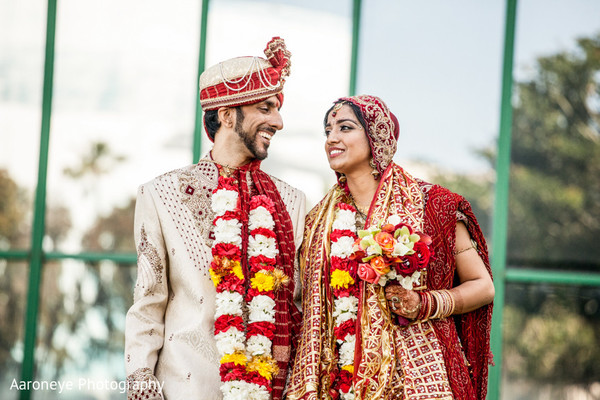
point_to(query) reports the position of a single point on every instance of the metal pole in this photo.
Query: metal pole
(201, 64)
(501, 199)
(356, 13)
(37, 236)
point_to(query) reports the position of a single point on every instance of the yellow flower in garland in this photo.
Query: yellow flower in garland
(264, 365)
(237, 270)
(238, 358)
(349, 368)
(262, 281)
(341, 279)
(215, 277)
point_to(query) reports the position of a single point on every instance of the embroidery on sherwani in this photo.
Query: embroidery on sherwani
(174, 190)
(150, 265)
(200, 340)
(196, 195)
(142, 384)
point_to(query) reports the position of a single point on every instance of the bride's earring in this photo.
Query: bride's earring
(375, 172)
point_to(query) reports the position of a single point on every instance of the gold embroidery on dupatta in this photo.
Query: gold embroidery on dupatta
(315, 357)
(380, 125)
(387, 349)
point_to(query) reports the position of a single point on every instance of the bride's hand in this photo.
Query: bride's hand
(406, 303)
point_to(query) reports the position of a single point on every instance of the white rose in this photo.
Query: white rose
(224, 200)
(416, 276)
(262, 245)
(382, 280)
(228, 303)
(261, 308)
(260, 217)
(394, 219)
(259, 345)
(345, 220)
(342, 247)
(406, 282)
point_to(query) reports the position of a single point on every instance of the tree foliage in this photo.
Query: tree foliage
(554, 207)
(551, 333)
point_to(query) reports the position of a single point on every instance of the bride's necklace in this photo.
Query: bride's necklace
(361, 209)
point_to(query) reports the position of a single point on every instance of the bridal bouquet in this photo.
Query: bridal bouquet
(391, 251)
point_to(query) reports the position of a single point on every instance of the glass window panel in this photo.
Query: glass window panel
(551, 342)
(437, 65)
(124, 109)
(22, 40)
(554, 209)
(81, 328)
(319, 36)
(13, 297)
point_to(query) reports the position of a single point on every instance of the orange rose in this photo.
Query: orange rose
(389, 228)
(379, 265)
(386, 241)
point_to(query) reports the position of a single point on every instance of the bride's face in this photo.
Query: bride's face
(347, 146)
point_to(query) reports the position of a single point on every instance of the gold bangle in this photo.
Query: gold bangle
(444, 304)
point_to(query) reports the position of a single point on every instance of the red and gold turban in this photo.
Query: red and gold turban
(246, 80)
(382, 128)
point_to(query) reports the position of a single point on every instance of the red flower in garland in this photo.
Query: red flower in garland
(348, 327)
(264, 328)
(224, 322)
(228, 250)
(262, 201)
(232, 372)
(263, 231)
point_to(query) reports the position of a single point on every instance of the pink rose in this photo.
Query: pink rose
(367, 273)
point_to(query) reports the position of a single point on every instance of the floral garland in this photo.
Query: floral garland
(247, 365)
(344, 284)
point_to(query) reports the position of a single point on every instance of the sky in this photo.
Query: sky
(132, 82)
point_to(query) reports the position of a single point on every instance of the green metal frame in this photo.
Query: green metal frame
(356, 13)
(36, 256)
(500, 217)
(37, 235)
(201, 65)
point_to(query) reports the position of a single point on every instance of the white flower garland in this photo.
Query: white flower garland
(247, 365)
(342, 282)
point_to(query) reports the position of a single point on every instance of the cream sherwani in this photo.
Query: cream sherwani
(169, 328)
